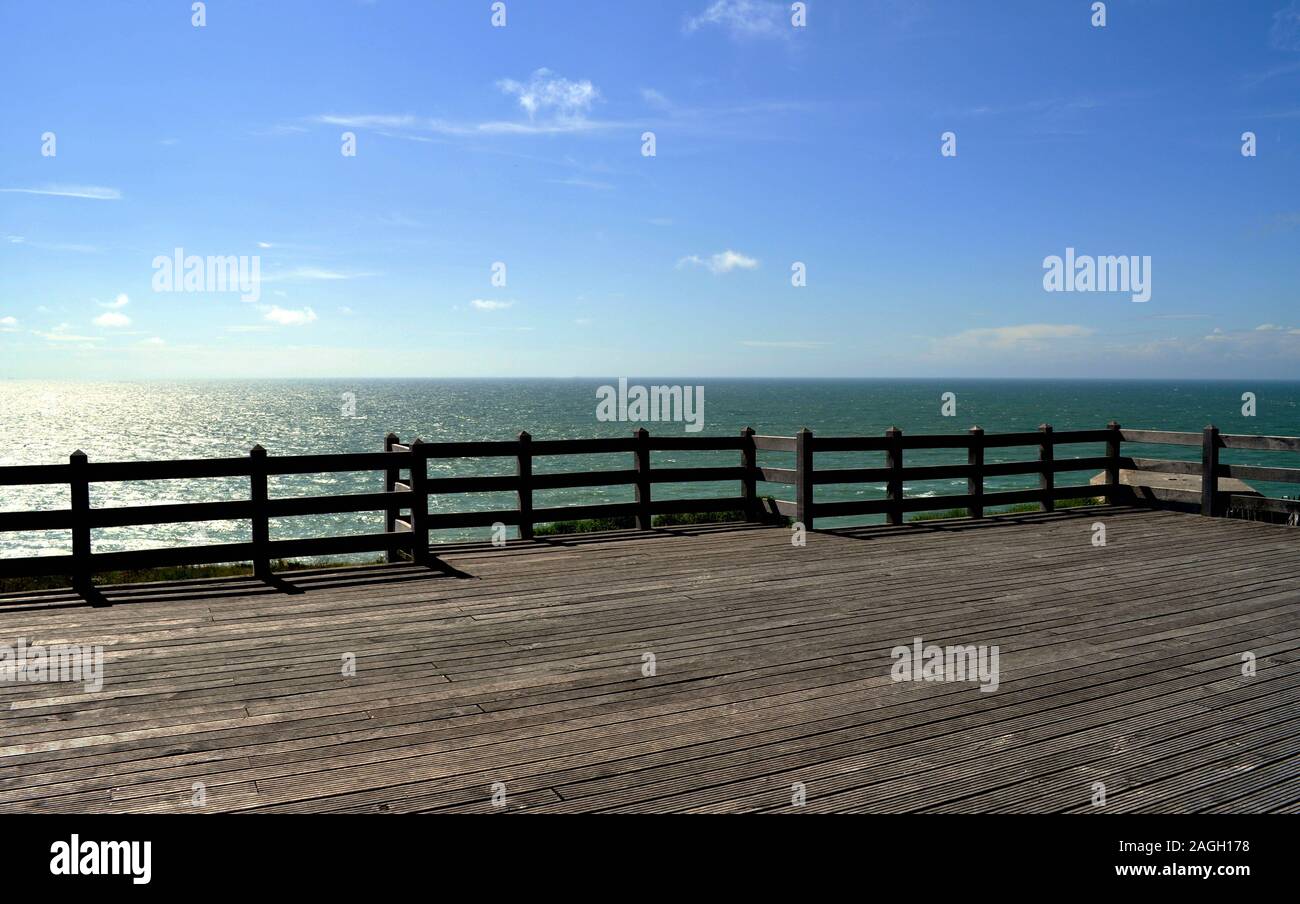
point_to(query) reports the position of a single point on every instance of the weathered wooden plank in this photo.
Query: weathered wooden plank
(773, 667)
(1254, 472)
(1260, 443)
(1160, 437)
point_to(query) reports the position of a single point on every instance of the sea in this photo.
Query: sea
(43, 422)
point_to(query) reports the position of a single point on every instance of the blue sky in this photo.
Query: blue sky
(774, 145)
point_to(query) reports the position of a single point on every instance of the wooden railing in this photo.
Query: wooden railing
(404, 500)
(1213, 501)
(805, 477)
(408, 521)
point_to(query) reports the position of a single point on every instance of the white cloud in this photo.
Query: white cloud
(117, 303)
(723, 262)
(112, 319)
(744, 18)
(153, 342)
(483, 304)
(8, 324)
(92, 192)
(288, 317)
(547, 92)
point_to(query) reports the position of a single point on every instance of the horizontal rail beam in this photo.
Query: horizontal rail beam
(1160, 437)
(174, 513)
(1261, 443)
(34, 475)
(1163, 465)
(1252, 472)
(180, 469)
(58, 519)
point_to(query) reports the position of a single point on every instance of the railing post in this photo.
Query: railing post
(1047, 473)
(259, 494)
(749, 483)
(524, 471)
(1210, 471)
(79, 488)
(894, 461)
(975, 482)
(394, 511)
(804, 486)
(1112, 464)
(419, 503)
(644, 520)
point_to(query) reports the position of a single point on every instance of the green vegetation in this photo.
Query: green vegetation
(586, 526)
(627, 522)
(1023, 509)
(158, 575)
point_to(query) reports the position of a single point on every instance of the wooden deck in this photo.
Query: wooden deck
(523, 666)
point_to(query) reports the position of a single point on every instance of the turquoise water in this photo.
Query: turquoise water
(44, 421)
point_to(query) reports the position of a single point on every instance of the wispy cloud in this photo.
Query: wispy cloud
(53, 246)
(117, 303)
(1285, 34)
(60, 334)
(8, 324)
(743, 19)
(1028, 336)
(547, 92)
(558, 126)
(800, 344)
(1052, 107)
(313, 274)
(1252, 79)
(91, 192)
(720, 263)
(486, 304)
(552, 105)
(656, 99)
(578, 182)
